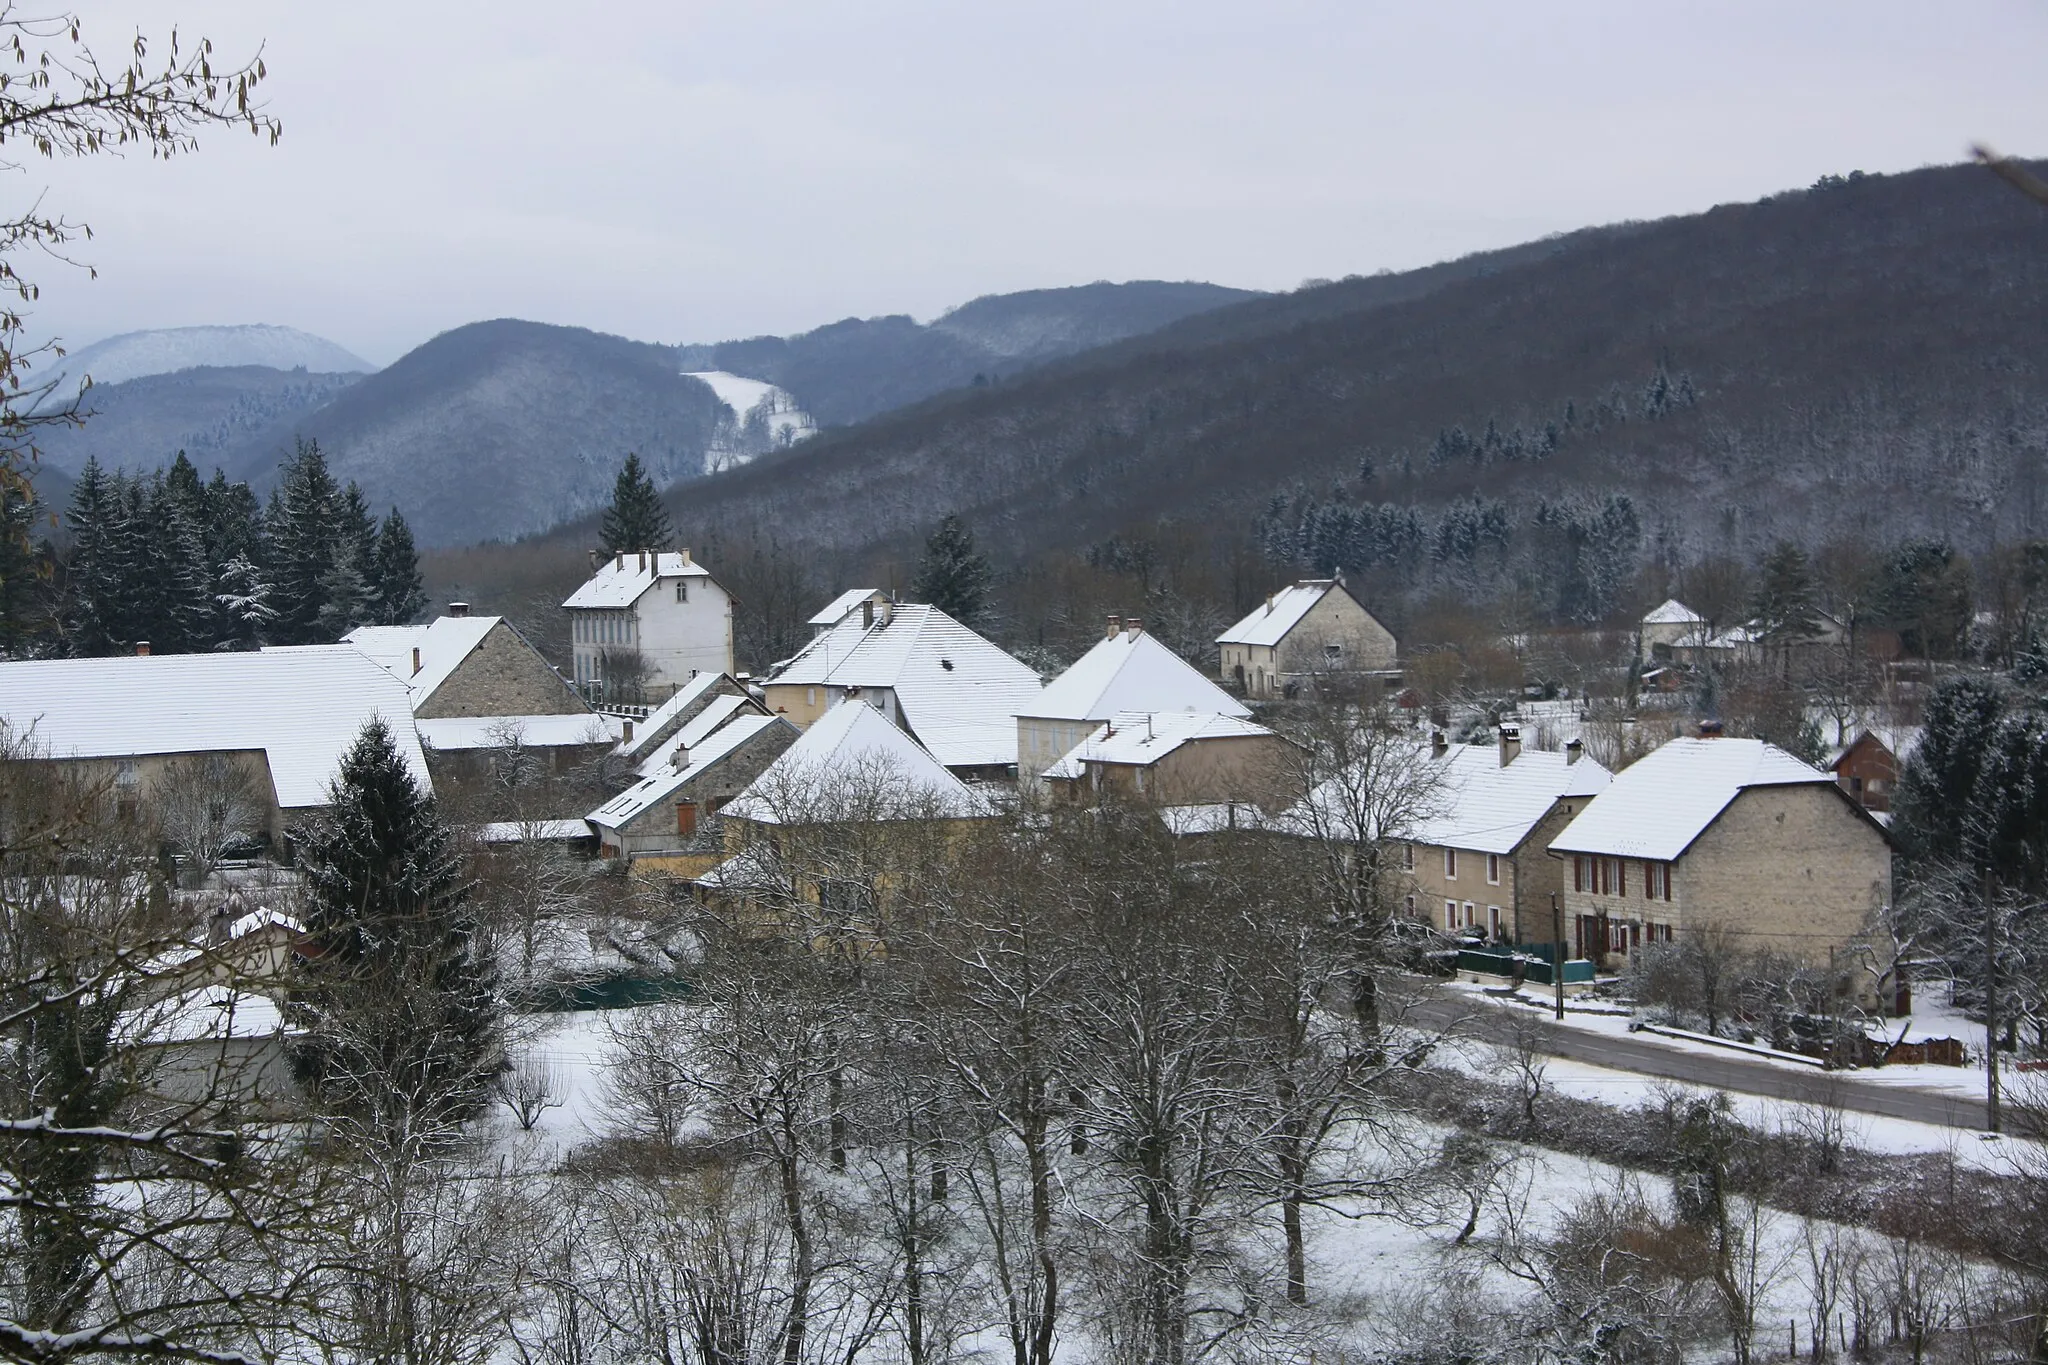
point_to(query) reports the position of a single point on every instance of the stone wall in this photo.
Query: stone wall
(1795, 870)
(503, 676)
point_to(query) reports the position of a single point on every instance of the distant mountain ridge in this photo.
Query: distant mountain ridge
(215, 414)
(133, 355)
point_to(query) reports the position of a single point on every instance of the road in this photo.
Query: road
(1498, 1023)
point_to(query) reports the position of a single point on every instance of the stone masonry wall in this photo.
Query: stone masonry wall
(503, 676)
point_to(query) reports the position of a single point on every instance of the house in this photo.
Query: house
(465, 748)
(1475, 858)
(1868, 769)
(1313, 629)
(645, 623)
(1126, 670)
(282, 717)
(1176, 759)
(844, 605)
(1666, 625)
(955, 692)
(463, 665)
(648, 740)
(1730, 834)
(670, 818)
(853, 764)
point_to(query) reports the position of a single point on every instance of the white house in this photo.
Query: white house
(645, 623)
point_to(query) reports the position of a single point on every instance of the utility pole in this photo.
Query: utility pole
(1991, 1114)
(1557, 957)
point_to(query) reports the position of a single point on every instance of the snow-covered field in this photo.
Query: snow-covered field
(754, 403)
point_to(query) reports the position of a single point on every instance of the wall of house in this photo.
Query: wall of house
(1243, 768)
(1794, 870)
(1432, 887)
(1042, 742)
(130, 781)
(1363, 644)
(1868, 773)
(654, 830)
(503, 676)
(648, 742)
(679, 640)
(1537, 876)
(1252, 669)
(800, 704)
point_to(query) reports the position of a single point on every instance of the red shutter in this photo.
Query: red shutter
(1621, 876)
(1579, 872)
(1667, 881)
(686, 818)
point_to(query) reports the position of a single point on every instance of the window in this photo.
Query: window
(682, 590)
(1407, 857)
(1493, 868)
(1451, 916)
(1493, 921)
(686, 819)
(1580, 881)
(1471, 914)
(810, 696)
(1450, 864)
(1334, 653)
(1657, 881)
(1410, 907)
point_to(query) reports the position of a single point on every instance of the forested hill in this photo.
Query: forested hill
(1864, 357)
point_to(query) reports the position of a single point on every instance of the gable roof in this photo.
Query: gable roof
(1657, 806)
(694, 731)
(530, 732)
(443, 644)
(957, 692)
(663, 720)
(1282, 612)
(1139, 739)
(852, 763)
(633, 802)
(621, 579)
(1484, 807)
(837, 609)
(1673, 613)
(302, 705)
(1131, 671)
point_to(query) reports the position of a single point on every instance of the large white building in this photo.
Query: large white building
(645, 623)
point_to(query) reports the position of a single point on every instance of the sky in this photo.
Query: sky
(675, 171)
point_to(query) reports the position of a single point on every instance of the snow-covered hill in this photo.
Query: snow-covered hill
(132, 355)
(764, 418)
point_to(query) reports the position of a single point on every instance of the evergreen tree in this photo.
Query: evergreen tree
(242, 600)
(1784, 603)
(953, 576)
(25, 570)
(176, 532)
(93, 608)
(401, 593)
(1938, 782)
(300, 527)
(636, 520)
(1924, 594)
(349, 589)
(404, 1023)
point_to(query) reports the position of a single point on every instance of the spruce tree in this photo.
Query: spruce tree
(636, 520)
(1784, 605)
(1938, 782)
(953, 576)
(404, 1023)
(348, 591)
(401, 592)
(25, 565)
(300, 528)
(92, 576)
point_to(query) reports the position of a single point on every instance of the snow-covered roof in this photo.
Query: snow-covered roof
(853, 764)
(1140, 739)
(693, 733)
(715, 749)
(204, 1014)
(1657, 806)
(838, 608)
(1673, 613)
(958, 693)
(533, 732)
(1131, 671)
(302, 705)
(620, 580)
(662, 718)
(1282, 612)
(443, 644)
(1483, 807)
(262, 917)
(520, 831)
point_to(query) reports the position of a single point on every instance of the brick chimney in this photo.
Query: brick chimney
(687, 561)
(867, 614)
(142, 649)
(1438, 745)
(1574, 750)
(642, 564)
(458, 608)
(595, 555)
(1116, 628)
(1137, 627)
(627, 736)
(1510, 744)
(415, 658)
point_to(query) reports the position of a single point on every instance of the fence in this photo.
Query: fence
(1533, 965)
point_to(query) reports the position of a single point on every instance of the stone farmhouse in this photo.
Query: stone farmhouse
(1313, 630)
(670, 818)
(1175, 759)
(1734, 835)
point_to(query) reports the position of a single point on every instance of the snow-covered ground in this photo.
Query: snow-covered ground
(763, 417)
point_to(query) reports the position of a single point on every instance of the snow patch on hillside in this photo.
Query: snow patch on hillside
(133, 355)
(764, 417)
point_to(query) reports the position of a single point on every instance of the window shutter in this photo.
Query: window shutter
(686, 818)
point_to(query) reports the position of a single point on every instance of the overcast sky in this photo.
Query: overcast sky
(677, 171)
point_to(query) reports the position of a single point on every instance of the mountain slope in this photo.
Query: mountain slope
(1866, 358)
(132, 355)
(498, 429)
(851, 370)
(209, 413)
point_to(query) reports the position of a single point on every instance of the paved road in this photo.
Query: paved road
(1733, 1072)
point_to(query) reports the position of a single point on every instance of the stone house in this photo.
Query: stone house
(280, 717)
(701, 704)
(1126, 670)
(1176, 759)
(1730, 834)
(645, 623)
(1476, 859)
(671, 820)
(957, 694)
(1314, 629)
(1664, 626)
(460, 665)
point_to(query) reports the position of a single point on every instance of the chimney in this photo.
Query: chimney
(622, 560)
(1710, 729)
(142, 649)
(1116, 628)
(415, 658)
(1510, 744)
(1574, 750)
(641, 565)
(687, 561)
(595, 555)
(627, 736)
(867, 614)
(458, 608)
(1137, 627)
(1438, 745)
